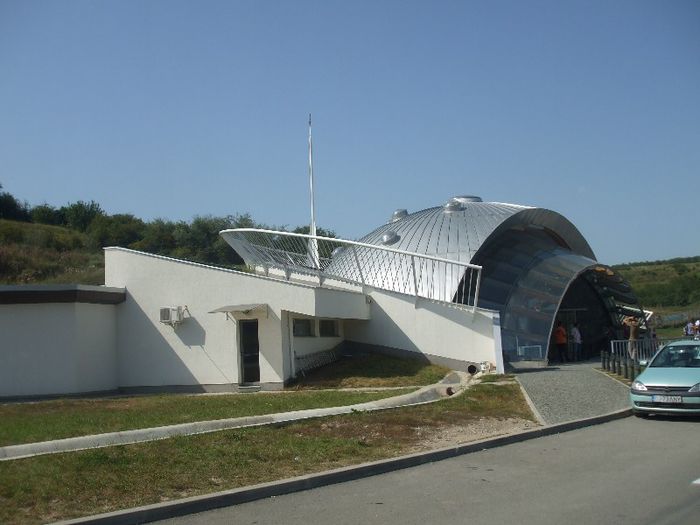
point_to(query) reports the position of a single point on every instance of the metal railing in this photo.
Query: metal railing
(638, 349)
(625, 355)
(354, 262)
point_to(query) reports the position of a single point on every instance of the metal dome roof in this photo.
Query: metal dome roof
(459, 229)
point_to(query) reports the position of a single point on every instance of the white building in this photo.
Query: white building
(409, 288)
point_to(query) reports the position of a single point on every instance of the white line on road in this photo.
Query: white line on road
(696, 482)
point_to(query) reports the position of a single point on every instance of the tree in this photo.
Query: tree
(46, 214)
(158, 237)
(80, 215)
(12, 209)
(320, 232)
(115, 230)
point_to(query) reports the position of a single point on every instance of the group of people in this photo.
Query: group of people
(630, 326)
(692, 328)
(561, 340)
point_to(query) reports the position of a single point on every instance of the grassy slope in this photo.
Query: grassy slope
(37, 421)
(38, 253)
(40, 421)
(645, 277)
(372, 370)
(658, 271)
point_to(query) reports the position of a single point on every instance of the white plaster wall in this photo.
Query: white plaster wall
(57, 348)
(431, 328)
(310, 345)
(341, 304)
(204, 349)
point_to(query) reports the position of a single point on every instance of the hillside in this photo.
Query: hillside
(39, 253)
(668, 284)
(33, 253)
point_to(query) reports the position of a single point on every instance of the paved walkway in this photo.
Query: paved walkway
(572, 391)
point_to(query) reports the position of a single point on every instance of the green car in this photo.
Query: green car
(670, 384)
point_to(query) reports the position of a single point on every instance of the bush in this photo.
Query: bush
(681, 290)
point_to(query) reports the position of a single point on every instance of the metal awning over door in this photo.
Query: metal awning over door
(244, 309)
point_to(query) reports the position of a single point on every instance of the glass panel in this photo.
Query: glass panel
(328, 328)
(303, 328)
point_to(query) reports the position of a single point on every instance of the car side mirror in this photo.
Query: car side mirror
(643, 362)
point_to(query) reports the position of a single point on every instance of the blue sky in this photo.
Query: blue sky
(174, 109)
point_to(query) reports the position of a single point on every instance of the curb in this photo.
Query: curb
(616, 379)
(183, 507)
(529, 402)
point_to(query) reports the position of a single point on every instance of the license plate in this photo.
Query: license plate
(666, 399)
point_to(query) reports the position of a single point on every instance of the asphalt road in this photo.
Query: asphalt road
(626, 471)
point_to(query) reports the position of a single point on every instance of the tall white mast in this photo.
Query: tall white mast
(313, 244)
(312, 230)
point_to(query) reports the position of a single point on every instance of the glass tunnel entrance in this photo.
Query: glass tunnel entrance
(534, 281)
(583, 306)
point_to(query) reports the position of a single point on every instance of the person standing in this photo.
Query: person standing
(578, 342)
(689, 328)
(633, 324)
(560, 341)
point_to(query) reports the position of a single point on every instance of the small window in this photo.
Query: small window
(303, 328)
(328, 328)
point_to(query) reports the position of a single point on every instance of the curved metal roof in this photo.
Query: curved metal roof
(459, 229)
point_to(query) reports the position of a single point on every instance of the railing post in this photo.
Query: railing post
(476, 290)
(415, 280)
(359, 266)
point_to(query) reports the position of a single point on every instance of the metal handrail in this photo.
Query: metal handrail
(366, 264)
(639, 349)
(354, 243)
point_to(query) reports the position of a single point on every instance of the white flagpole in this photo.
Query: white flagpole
(315, 262)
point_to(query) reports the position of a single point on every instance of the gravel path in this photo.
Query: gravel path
(573, 391)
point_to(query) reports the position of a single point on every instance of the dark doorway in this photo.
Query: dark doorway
(583, 304)
(250, 351)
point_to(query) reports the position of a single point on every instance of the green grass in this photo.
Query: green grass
(493, 378)
(41, 421)
(669, 332)
(373, 370)
(61, 486)
(38, 253)
(673, 284)
(41, 236)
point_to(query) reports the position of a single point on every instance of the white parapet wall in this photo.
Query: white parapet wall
(203, 350)
(441, 332)
(56, 348)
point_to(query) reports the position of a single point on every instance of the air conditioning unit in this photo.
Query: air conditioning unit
(171, 315)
